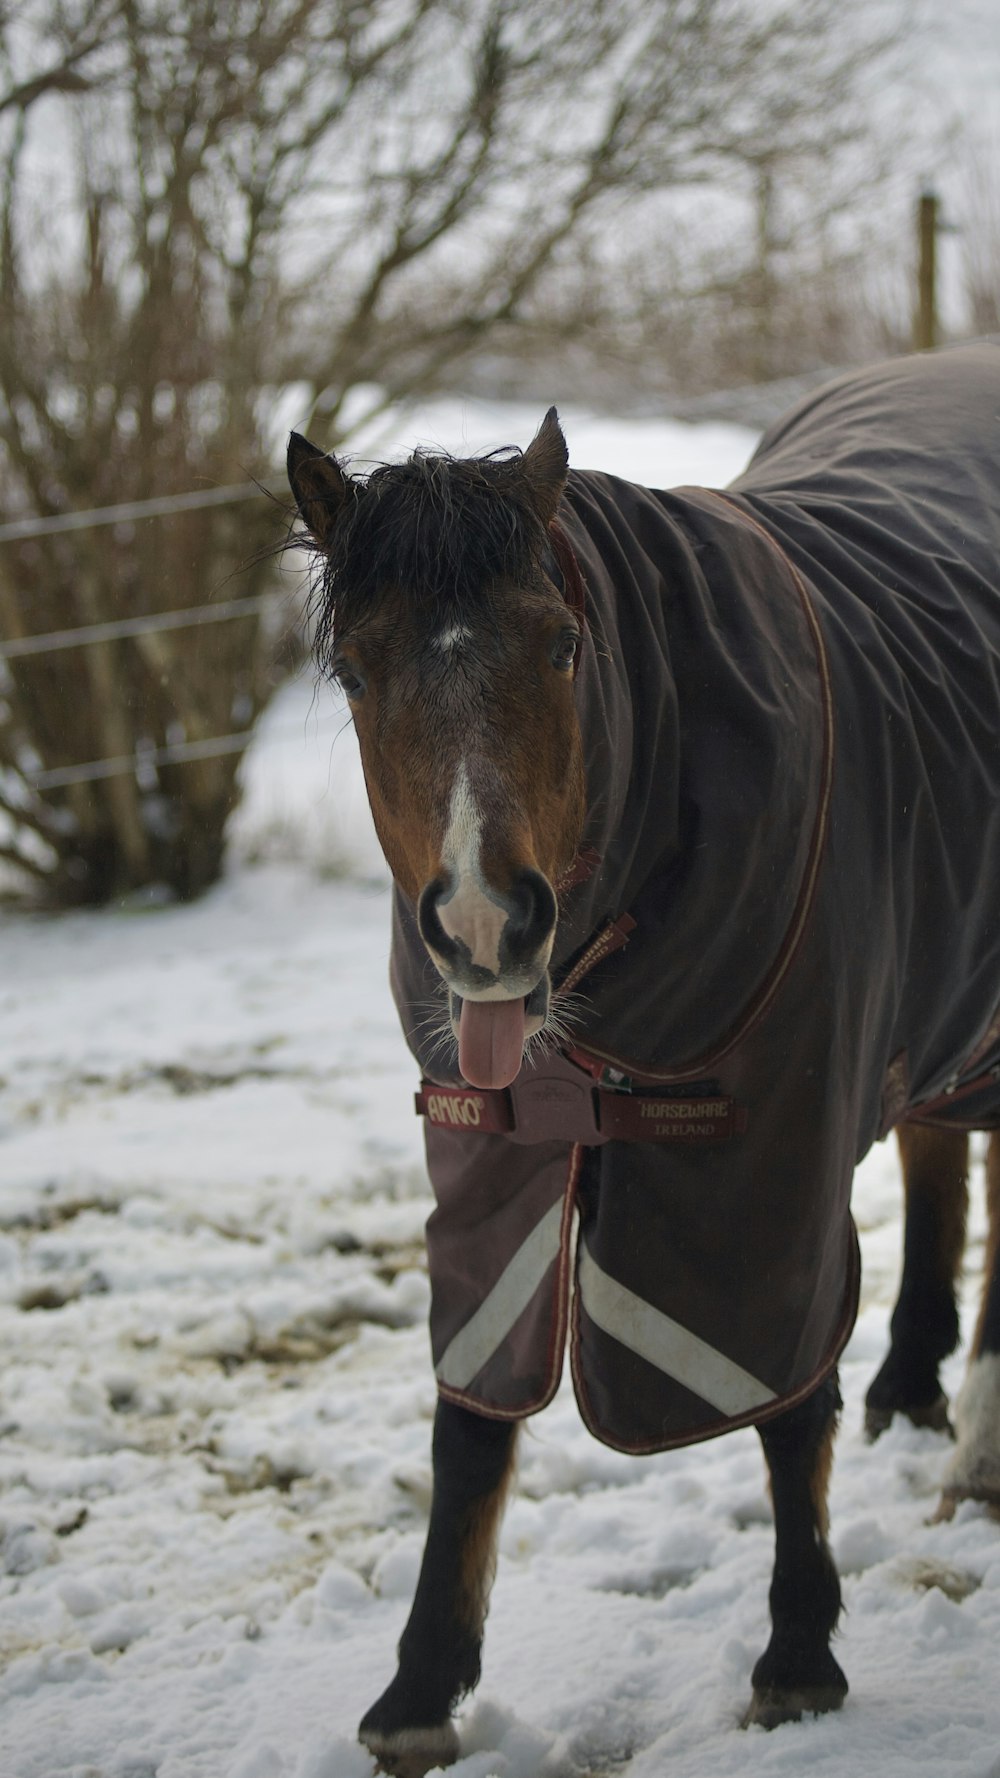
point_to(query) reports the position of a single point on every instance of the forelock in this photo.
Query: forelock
(442, 531)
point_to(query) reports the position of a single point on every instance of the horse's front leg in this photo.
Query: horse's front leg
(797, 1671)
(409, 1729)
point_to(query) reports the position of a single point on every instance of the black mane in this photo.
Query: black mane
(441, 529)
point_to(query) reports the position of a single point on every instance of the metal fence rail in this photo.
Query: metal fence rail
(180, 619)
(88, 634)
(175, 753)
(159, 506)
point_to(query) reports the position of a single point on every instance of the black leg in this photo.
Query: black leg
(797, 1672)
(974, 1471)
(409, 1729)
(924, 1327)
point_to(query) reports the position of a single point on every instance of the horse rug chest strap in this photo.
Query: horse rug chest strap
(543, 1108)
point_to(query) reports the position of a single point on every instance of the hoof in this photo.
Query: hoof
(933, 1414)
(771, 1704)
(411, 1753)
(952, 1497)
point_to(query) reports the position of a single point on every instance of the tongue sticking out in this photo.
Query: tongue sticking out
(491, 1041)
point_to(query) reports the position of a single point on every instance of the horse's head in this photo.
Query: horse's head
(442, 617)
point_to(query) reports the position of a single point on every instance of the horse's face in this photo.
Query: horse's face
(442, 620)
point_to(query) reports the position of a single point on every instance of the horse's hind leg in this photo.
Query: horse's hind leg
(797, 1671)
(974, 1471)
(924, 1326)
(409, 1729)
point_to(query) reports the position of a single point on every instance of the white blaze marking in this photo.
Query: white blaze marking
(468, 914)
(460, 849)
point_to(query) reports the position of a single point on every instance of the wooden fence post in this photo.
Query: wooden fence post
(925, 327)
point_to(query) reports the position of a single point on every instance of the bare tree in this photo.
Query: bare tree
(129, 367)
(203, 202)
(66, 62)
(563, 138)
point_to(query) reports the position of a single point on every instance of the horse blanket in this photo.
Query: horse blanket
(784, 934)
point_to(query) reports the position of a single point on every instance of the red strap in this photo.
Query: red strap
(540, 1110)
(610, 938)
(648, 1117)
(487, 1110)
(582, 868)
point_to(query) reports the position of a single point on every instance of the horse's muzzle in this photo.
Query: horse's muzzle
(490, 944)
(492, 950)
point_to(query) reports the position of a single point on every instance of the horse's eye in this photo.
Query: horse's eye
(350, 684)
(564, 652)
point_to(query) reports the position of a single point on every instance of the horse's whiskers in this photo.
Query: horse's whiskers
(434, 1028)
(564, 1013)
(431, 1015)
(434, 1025)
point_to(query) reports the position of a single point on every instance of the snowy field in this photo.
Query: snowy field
(216, 1391)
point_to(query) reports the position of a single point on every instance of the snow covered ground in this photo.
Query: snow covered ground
(215, 1394)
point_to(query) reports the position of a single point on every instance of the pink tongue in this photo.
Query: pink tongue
(491, 1041)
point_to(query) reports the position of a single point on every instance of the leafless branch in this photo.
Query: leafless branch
(335, 191)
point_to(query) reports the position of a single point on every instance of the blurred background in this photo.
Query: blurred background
(223, 218)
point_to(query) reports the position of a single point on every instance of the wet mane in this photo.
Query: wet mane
(444, 529)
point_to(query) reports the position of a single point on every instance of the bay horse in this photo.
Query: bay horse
(692, 804)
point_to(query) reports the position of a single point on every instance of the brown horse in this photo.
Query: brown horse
(685, 749)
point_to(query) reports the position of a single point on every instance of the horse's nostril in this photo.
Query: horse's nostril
(429, 922)
(532, 918)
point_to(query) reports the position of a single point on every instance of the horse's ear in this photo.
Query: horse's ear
(320, 487)
(545, 464)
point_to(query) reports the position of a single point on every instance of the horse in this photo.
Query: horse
(691, 800)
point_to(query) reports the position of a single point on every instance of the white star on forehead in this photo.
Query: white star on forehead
(452, 637)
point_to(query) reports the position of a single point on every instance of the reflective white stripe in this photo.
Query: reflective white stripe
(672, 1348)
(477, 1341)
